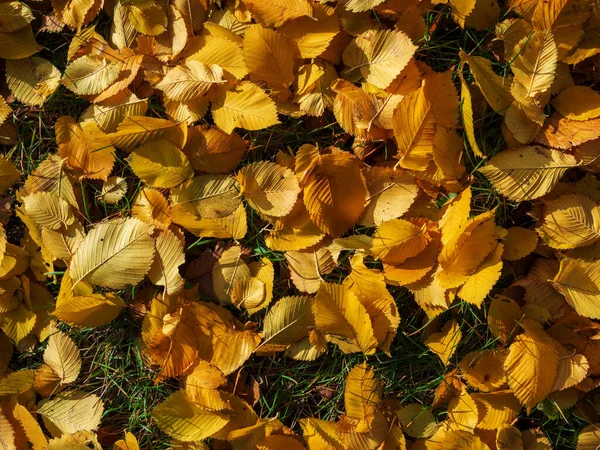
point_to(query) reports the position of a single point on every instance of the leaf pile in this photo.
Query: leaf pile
(175, 91)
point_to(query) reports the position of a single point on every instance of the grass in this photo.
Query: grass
(113, 365)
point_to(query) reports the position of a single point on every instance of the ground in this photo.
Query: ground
(112, 361)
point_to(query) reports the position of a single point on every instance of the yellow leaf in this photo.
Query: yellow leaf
(578, 103)
(274, 13)
(147, 17)
(391, 192)
(320, 434)
(79, 306)
(62, 355)
(467, 116)
(30, 426)
(232, 226)
(165, 267)
(182, 418)
(114, 254)
(397, 240)
(109, 113)
(227, 270)
(519, 243)
(222, 52)
(379, 55)
(269, 188)
(486, 275)
(135, 130)
(48, 210)
(32, 80)
(172, 345)
(246, 106)
(18, 323)
(483, 369)
(207, 196)
(571, 220)
(497, 409)
(312, 35)
(417, 421)
(444, 342)
(190, 80)
(361, 396)
(72, 12)
(413, 124)
(7, 433)
(85, 148)
(307, 266)
(269, 56)
(531, 364)
(534, 69)
(494, 88)
(579, 282)
(572, 369)
(151, 207)
(212, 151)
(15, 16)
(589, 437)
(18, 44)
(289, 320)
(370, 287)
(113, 190)
(334, 188)
(503, 318)
(264, 271)
(248, 293)
(344, 320)
(129, 443)
(90, 74)
(72, 411)
(160, 164)
(463, 414)
(527, 173)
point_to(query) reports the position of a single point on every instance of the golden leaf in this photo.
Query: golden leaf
(165, 267)
(274, 13)
(527, 173)
(379, 56)
(269, 188)
(182, 418)
(212, 151)
(269, 56)
(344, 320)
(571, 220)
(307, 267)
(32, 80)
(579, 282)
(136, 130)
(246, 106)
(578, 103)
(519, 243)
(494, 88)
(334, 188)
(72, 411)
(115, 254)
(62, 355)
(90, 74)
(85, 148)
(79, 306)
(160, 164)
(113, 190)
(531, 364)
(483, 369)
(444, 342)
(18, 44)
(227, 270)
(190, 80)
